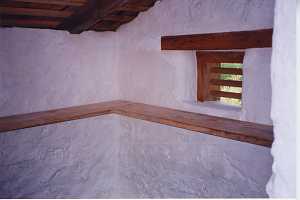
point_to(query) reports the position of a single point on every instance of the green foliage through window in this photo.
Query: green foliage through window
(233, 77)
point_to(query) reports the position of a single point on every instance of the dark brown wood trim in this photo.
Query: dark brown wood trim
(219, 70)
(227, 128)
(226, 94)
(57, 2)
(55, 116)
(208, 75)
(217, 126)
(34, 12)
(219, 41)
(97, 11)
(29, 23)
(74, 16)
(226, 83)
(221, 56)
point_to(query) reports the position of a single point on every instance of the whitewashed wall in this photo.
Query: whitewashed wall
(119, 157)
(257, 86)
(44, 69)
(77, 159)
(283, 74)
(168, 78)
(158, 161)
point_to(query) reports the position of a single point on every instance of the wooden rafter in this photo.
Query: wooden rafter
(98, 11)
(29, 23)
(57, 2)
(74, 16)
(34, 12)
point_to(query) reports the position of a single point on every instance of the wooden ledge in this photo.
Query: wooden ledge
(222, 127)
(29, 120)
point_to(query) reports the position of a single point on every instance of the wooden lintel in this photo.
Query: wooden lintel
(219, 41)
(227, 128)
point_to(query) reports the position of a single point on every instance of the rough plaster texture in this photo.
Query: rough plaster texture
(129, 158)
(168, 78)
(159, 161)
(257, 86)
(43, 69)
(68, 160)
(119, 157)
(283, 181)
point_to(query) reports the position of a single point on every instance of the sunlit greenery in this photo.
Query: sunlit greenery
(229, 88)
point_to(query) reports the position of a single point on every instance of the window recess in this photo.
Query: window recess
(220, 76)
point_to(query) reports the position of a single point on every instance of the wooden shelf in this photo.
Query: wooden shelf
(226, 128)
(21, 121)
(222, 127)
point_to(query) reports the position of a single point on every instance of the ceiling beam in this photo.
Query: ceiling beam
(134, 8)
(57, 2)
(29, 23)
(119, 18)
(34, 12)
(93, 12)
(219, 41)
(96, 11)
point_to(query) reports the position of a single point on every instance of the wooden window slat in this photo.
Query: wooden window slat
(29, 23)
(209, 71)
(226, 83)
(234, 71)
(226, 94)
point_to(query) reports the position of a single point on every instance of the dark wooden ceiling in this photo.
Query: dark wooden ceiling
(74, 16)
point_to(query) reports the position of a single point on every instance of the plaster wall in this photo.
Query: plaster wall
(158, 161)
(44, 69)
(119, 157)
(283, 181)
(54, 69)
(76, 159)
(168, 78)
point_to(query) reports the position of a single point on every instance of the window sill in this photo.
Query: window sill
(214, 108)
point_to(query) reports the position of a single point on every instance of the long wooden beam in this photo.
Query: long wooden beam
(227, 128)
(32, 23)
(219, 41)
(98, 11)
(34, 12)
(57, 2)
(86, 18)
(21, 121)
